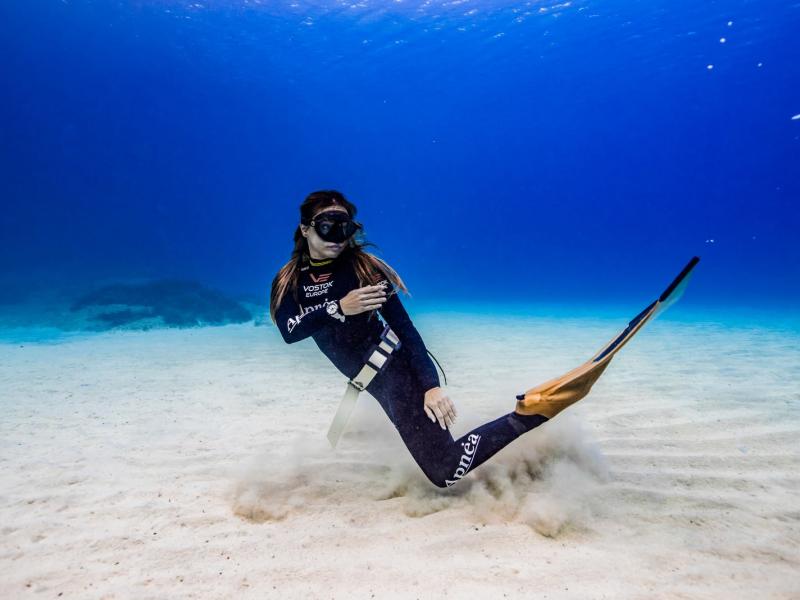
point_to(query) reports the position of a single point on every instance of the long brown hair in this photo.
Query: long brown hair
(369, 268)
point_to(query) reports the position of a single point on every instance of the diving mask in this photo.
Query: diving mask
(333, 226)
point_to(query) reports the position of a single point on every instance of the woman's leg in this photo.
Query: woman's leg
(443, 459)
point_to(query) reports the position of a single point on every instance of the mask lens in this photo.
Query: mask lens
(324, 228)
(335, 227)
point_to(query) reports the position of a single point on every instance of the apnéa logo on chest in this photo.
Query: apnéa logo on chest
(470, 448)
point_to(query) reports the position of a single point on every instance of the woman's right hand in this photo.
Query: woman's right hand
(363, 299)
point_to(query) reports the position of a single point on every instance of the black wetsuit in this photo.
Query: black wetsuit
(400, 388)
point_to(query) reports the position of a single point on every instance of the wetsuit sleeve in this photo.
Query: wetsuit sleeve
(395, 315)
(295, 326)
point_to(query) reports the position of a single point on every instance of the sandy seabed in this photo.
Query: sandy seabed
(194, 463)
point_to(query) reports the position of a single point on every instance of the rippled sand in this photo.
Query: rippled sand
(194, 463)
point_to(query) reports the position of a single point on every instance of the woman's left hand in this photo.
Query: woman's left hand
(438, 406)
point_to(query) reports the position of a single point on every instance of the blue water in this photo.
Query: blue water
(565, 155)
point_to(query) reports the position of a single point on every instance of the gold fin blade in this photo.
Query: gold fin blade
(550, 398)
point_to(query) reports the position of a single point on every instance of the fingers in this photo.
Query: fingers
(449, 410)
(375, 294)
(448, 420)
(371, 289)
(439, 416)
(442, 410)
(358, 300)
(371, 297)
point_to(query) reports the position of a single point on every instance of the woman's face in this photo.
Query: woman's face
(317, 247)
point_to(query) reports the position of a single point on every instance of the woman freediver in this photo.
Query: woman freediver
(331, 290)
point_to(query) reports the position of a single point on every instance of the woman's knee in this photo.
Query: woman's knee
(436, 478)
(434, 469)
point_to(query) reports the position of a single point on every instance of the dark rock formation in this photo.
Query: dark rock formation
(173, 303)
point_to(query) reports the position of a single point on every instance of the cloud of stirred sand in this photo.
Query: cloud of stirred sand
(546, 478)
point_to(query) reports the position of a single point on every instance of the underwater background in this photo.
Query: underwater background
(537, 173)
(569, 155)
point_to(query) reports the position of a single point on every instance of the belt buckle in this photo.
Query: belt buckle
(357, 384)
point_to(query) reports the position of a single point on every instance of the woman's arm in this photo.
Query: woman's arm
(397, 318)
(295, 325)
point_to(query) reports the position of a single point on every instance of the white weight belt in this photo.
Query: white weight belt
(377, 359)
